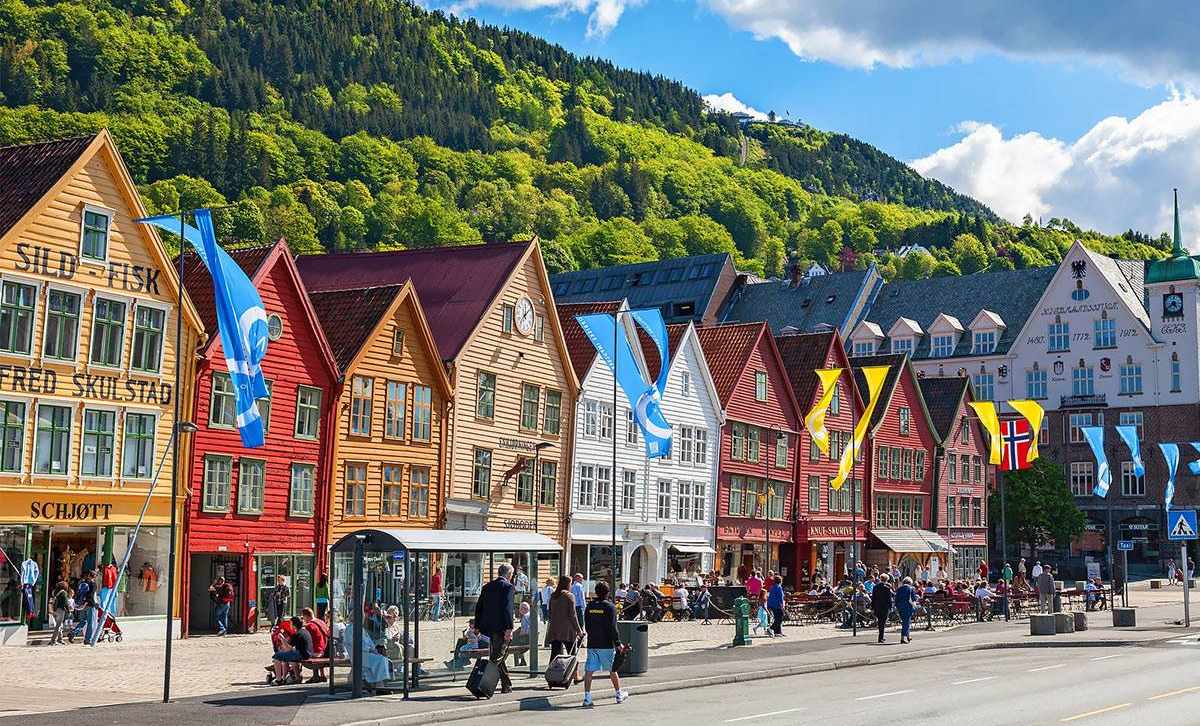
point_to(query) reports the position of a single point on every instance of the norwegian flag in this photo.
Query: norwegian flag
(1015, 440)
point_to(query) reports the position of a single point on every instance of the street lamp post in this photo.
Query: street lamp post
(536, 487)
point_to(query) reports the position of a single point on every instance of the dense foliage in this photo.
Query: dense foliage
(368, 124)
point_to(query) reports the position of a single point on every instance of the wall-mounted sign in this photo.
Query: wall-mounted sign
(45, 381)
(65, 266)
(66, 511)
(518, 524)
(517, 445)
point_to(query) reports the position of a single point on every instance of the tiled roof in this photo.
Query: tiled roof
(28, 171)
(1011, 294)
(350, 316)
(896, 363)
(727, 349)
(579, 347)
(1118, 273)
(802, 355)
(821, 300)
(943, 396)
(669, 282)
(199, 286)
(455, 284)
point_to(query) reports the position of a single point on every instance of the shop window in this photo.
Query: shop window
(52, 449)
(148, 323)
(422, 416)
(61, 337)
(218, 471)
(137, 457)
(251, 473)
(108, 332)
(308, 412)
(300, 499)
(12, 541)
(146, 592)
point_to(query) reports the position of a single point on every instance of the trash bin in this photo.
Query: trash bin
(1057, 601)
(636, 634)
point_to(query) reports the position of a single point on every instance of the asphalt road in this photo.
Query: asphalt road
(1157, 686)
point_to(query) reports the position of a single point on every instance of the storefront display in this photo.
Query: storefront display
(12, 555)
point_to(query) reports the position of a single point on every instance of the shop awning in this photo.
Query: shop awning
(912, 540)
(447, 540)
(696, 548)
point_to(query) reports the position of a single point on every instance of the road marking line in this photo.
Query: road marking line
(973, 680)
(1173, 693)
(763, 715)
(1094, 713)
(1046, 668)
(1106, 657)
(884, 695)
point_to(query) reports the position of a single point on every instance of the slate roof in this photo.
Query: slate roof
(350, 316)
(648, 284)
(1128, 278)
(28, 171)
(727, 348)
(815, 301)
(803, 354)
(1011, 294)
(896, 363)
(943, 397)
(199, 286)
(583, 353)
(455, 284)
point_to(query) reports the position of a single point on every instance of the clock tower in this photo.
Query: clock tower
(1173, 302)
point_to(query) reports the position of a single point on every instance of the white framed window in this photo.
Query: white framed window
(1105, 330)
(586, 491)
(218, 473)
(251, 473)
(628, 490)
(93, 234)
(1132, 485)
(12, 435)
(137, 454)
(685, 384)
(17, 304)
(835, 401)
(60, 339)
(631, 429)
(985, 386)
(687, 450)
(108, 332)
(698, 501)
(1135, 419)
(604, 484)
(300, 498)
(1131, 378)
(684, 501)
(700, 439)
(902, 345)
(1083, 381)
(905, 419)
(52, 447)
(606, 422)
(942, 346)
(919, 465)
(361, 395)
(264, 407)
(1036, 383)
(1076, 422)
(422, 413)
(591, 419)
(760, 385)
(664, 499)
(1058, 336)
(148, 325)
(99, 441)
(1081, 478)
(355, 499)
(395, 414)
(952, 467)
(222, 407)
(864, 348)
(308, 412)
(983, 342)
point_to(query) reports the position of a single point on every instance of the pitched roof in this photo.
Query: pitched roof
(819, 300)
(802, 355)
(943, 398)
(670, 282)
(1011, 294)
(896, 362)
(199, 286)
(29, 171)
(727, 349)
(579, 347)
(350, 316)
(456, 284)
(1119, 273)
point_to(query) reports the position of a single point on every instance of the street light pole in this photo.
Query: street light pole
(616, 560)
(767, 503)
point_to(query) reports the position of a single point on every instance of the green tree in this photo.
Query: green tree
(969, 253)
(1039, 507)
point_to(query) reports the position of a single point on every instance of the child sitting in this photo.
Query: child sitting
(471, 640)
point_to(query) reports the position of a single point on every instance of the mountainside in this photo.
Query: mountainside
(346, 124)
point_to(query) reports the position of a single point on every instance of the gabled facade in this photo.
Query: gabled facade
(757, 469)
(257, 514)
(665, 507)
(826, 527)
(88, 360)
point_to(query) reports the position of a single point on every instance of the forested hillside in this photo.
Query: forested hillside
(366, 124)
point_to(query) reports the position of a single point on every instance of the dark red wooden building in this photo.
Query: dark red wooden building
(826, 526)
(757, 474)
(901, 445)
(257, 514)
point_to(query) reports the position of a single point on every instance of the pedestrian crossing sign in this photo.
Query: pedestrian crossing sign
(1181, 525)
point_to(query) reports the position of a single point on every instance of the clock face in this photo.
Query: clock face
(524, 314)
(1173, 304)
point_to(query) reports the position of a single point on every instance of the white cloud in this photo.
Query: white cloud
(730, 104)
(1117, 175)
(603, 15)
(1149, 42)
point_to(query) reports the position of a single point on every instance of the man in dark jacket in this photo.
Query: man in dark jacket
(882, 598)
(494, 618)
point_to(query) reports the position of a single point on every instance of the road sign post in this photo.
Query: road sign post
(1181, 527)
(1124, 546)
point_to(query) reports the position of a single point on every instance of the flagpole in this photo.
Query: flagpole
(853, 520)
(179, 358)
(617, 560)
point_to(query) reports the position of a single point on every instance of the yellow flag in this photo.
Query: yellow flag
(1033, 413)
(815, 420)
(986, 410)
(875, 376)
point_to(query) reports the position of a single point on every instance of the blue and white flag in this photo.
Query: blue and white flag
(1095, 438)
(1129, 435)
(645, 397)
(1194, 466)
(1170, 452)
(241, 319)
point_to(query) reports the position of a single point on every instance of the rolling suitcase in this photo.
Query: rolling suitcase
(560, 673)
(483, 679)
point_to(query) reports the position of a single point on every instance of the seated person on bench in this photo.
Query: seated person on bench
(393, 638)
(471, 640)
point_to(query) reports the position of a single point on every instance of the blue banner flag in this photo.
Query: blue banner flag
(1095, 438)
(1170, 452)
(241, 319)
(645, 397)
(1194, 466)
(1129, 435)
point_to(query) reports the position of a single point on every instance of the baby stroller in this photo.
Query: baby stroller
(110, 631)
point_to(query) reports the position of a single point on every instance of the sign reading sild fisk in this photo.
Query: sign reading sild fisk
(47, 382)
(65, 266)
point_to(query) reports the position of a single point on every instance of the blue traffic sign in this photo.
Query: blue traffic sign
(1181, 525)
(1125, 545)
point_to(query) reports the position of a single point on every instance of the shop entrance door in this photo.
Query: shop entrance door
(204, 570)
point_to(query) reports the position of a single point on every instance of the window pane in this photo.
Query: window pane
(137, 458)
(53, 445)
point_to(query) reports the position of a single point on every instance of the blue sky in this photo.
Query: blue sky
(1077, 110)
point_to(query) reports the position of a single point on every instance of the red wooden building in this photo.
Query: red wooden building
(257, 514)
(826, 528)
(962, 472)
(757, 471)
(901, 446)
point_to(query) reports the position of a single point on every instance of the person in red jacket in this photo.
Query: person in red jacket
(222, 595)
(319, 631)
(983, 571)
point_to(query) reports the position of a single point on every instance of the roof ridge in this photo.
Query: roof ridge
(48, 142)
(413, 250)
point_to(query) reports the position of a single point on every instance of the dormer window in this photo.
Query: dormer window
(864, 347)
(942, 346)
(902, 345)
(93, 241)
(984, 342)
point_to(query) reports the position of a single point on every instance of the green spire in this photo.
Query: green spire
(1179, 266)
(1177, 249)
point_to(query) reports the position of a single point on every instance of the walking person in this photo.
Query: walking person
(494, 618)
(603, 641)
(563, 629)
(321, 596)
(1171, 570)
(435, 592)
(1007, 573)
(86, 597)
(1045, 588)
(222, 595)
(882, 599)
(60, 605)
(906, 605)
(775, 605)
(580, 593)
(548, 592)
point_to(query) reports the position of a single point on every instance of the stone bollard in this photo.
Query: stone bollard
(1156, 584)
(1041, 624)
(1064, 623)
(1081, 621)
(1124, 617)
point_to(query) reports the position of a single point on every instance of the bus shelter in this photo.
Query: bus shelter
(372, 569)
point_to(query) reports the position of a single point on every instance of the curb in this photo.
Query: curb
(539, 703)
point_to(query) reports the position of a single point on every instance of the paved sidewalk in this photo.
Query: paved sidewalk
(310, 706)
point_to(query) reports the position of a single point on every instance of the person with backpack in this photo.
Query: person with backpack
(603, 641)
